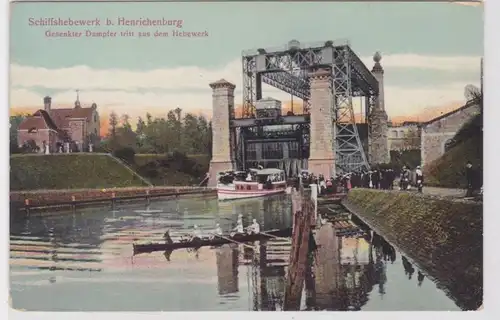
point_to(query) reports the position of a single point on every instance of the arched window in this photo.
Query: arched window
(448, 144)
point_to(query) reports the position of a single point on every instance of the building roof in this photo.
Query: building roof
(465, 106)
(33, 122)
(62, 116)
(55, 119)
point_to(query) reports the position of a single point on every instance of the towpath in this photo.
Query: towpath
(444, 192)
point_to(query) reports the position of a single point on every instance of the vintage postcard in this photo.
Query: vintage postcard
(241, 156)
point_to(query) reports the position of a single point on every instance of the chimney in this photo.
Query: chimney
(46, 103)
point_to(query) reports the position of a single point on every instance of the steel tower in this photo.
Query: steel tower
(288, 68)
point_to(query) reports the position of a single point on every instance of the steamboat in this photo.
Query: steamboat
(253, 183)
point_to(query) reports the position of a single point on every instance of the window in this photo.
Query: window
(251, 151)
(95, 117)
(272, 150)
(293, 150)
(395, 133)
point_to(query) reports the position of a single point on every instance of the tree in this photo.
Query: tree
(178, 112)
(149, 119)
(141, 126)
(188, 134)
(14, 122)
(126, 121)
(475, 95)
(125, 136)
(113, 124)
(30, 147)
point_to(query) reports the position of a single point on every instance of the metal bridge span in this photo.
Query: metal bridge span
(323, 136)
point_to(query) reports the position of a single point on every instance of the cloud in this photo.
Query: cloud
(451, 64)
(192, 77)
(157, 91)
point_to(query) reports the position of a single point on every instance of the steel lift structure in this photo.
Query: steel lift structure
(287, 68)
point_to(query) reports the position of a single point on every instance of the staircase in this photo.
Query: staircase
(128, 167)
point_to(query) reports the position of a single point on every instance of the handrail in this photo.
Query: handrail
(121, 161)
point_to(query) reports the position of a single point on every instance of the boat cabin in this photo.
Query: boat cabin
(254, 179)
(262, 179)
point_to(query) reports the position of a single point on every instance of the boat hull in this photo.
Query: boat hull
(226, 194)
(198, 243)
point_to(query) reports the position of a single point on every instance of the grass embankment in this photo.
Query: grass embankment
(69, 171)
(172, 170)
(445, 237)
(448, 171)
(95, 171)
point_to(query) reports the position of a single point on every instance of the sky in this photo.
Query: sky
(430, 52)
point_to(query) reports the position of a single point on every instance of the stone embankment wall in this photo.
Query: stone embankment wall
(443, 236)
(53, 197)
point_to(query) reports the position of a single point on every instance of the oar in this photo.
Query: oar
(273, 236)
(233, 241)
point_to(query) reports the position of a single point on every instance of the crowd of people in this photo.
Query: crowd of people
(373, 179)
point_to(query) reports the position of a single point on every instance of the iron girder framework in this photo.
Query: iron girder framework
(287, 68)
(272, 145)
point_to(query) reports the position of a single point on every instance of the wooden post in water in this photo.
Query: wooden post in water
(113, 195)
(302, 213)
(314, 198)
(27, 206)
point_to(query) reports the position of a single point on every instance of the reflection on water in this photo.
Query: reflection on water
(84, 261)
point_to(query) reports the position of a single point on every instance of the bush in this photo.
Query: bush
(409, 158)
(14, 148)
(126, 154)
(173, 169)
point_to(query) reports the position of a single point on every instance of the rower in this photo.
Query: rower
(196, 233)
(217, 231)
(239, 228)
(254, 227)
(167, 237)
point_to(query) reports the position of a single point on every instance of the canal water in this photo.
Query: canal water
(83, 261)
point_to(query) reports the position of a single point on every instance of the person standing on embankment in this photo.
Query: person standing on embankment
(474, 179)
(419, 178)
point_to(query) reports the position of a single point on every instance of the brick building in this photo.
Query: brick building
(75, 127)
(438, 132)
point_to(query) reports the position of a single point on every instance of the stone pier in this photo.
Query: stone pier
(222, 108)
(378, 148)
(322, 153)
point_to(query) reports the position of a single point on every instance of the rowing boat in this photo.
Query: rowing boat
(216, 241)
